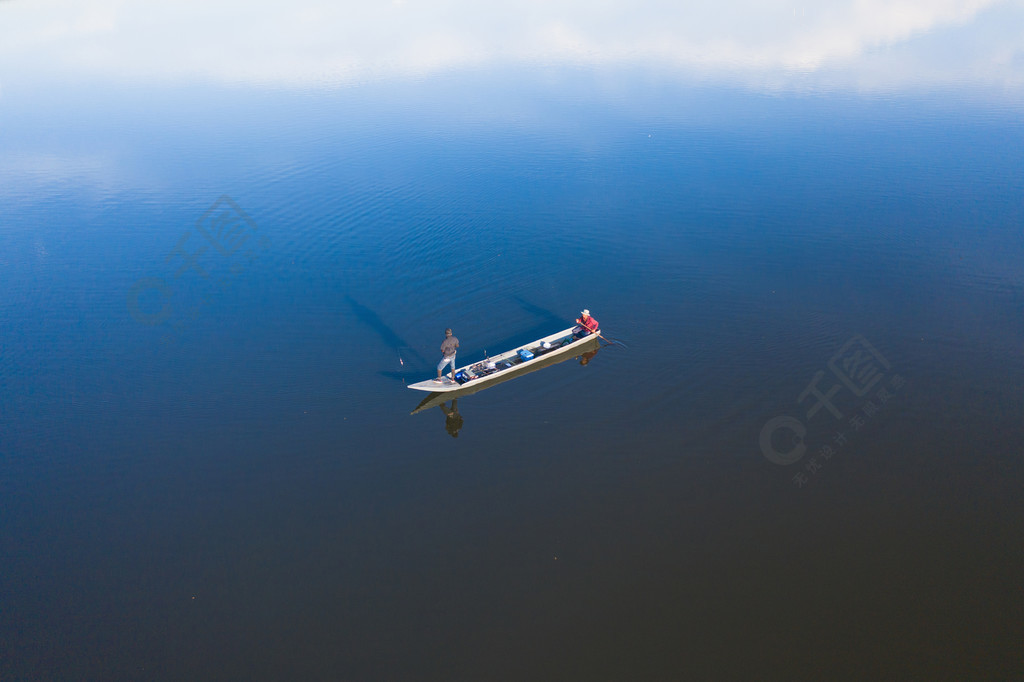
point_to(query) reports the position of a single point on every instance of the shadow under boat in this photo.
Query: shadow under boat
(587, 348)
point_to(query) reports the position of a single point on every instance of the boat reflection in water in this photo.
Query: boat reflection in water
(453, 420)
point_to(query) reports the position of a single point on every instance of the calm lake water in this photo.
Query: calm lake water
(208, 465)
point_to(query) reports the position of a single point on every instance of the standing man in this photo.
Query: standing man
(448, 348)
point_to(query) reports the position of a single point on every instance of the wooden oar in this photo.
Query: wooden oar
(614, 341)
(598, 332)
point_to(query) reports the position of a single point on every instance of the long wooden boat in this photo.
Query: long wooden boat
(515, 361)
(432, 400)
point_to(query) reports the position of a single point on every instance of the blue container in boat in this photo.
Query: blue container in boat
(525, 354)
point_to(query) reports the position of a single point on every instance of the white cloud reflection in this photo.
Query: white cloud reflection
(865, 44)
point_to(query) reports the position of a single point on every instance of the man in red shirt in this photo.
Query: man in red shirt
(587, 324)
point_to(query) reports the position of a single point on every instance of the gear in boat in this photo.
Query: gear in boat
(487, 366)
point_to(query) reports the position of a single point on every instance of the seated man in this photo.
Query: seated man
(585, 325)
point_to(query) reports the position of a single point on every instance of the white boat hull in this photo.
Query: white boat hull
(447, 385)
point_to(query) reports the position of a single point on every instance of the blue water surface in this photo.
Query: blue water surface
(239, 489)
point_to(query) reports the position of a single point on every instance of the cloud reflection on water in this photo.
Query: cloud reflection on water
(861, 44)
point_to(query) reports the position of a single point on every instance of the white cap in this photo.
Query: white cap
(585, 312)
